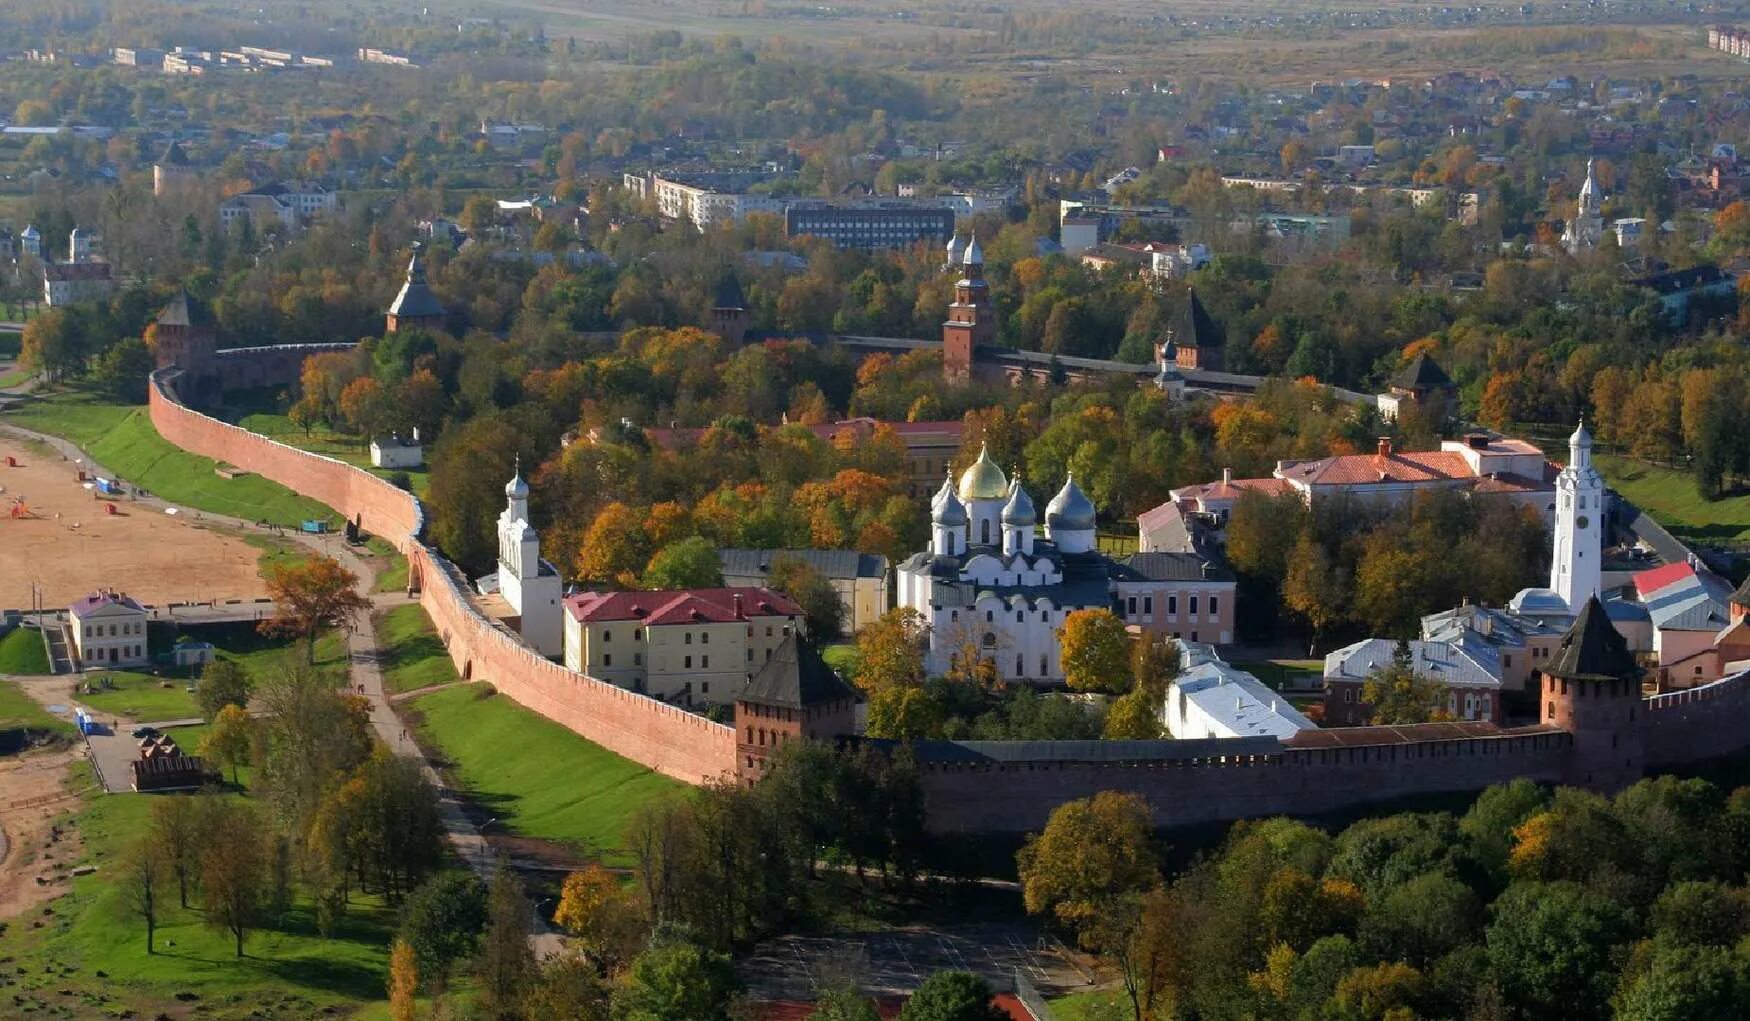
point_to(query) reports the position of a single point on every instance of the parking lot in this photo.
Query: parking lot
(896, 961)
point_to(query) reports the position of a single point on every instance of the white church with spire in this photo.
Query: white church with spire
(1585, 230)
(528, 584)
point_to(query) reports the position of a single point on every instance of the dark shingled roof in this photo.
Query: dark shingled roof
(1195, 327)
(1741, 595)
(173, 156)
(1592, 650)
(1423, 373)
(795, 678)
(729, 293)
(185, 310)
(416, 300)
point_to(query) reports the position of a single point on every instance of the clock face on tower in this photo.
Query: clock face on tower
(1581, 521)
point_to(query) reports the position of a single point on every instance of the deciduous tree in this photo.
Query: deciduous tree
(309, 596)
(952, 996)
(233, 870)
(689, 563)
(1095, 651)
(403, 982)
(230, 740)
(1090, 852)
(223, 682)
(145, 871)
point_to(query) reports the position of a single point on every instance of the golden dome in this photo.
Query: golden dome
(984, 480)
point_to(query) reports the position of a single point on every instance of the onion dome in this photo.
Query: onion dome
(1070, 510)
(516, 488)
(1019, 510)
(984, 480)
(974, 255)
(1582, 437)
(946, 508)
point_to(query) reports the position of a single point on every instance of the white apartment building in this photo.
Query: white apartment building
(109, 630)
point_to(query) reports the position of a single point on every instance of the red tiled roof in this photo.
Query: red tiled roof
(682, 606)
(1232, 490)
(1508, 482)
(1650, 581)
(1398, 466)
(1155, 517)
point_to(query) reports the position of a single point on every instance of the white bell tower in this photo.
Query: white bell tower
(1574, 568)
(529, 584)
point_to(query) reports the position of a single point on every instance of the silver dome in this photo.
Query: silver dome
(946, 508)
(1019, 510)
(1070, 510)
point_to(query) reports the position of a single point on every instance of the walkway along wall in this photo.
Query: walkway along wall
(668, 740)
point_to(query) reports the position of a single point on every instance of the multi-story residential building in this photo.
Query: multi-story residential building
(109, 629)
(288, 204)
(892, 223)
(705, 199)
(860, 579)
(1469, 672)
(687, 646)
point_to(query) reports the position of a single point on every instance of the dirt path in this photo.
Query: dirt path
(69, 545)
(38, 856)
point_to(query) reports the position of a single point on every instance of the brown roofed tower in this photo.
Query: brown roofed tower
(1591, 688)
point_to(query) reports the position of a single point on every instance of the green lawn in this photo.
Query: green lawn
(19, 711)
(1090, 1006)
(413, 655)
(261, 655)
(393, 577)
(21, 652)
(355, 450)
(92, 948)
(1278, 673)
(139, 697)
(122, 439)
(1671, 497)
(540, 779)
(276, 551)
(843, 658)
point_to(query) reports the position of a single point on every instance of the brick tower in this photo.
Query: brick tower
(416, 307)
(1591, 688)
(971, 319)
(729, 311)
(794, 696)
(185, 336)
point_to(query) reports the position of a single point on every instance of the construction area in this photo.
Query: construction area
(67, 537)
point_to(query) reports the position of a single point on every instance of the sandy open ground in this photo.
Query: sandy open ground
(152, 556)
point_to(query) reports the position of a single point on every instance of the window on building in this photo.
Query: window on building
(1130, 607)
(1173, 607)
(637, 633)
(1214, 608)
(689, 638)
(704, 662)
(607, 636)
(1193, 636)
(1044, 665)
(953, 615)
(638, 659)
(768, 655)
(1020, 667)
(1193, 606)
(768, 630)
(705, 638)
(1506, 661)
(607, 659)
(989, 616)
(1020, 616)
(990, 640)
(1348, 694)
(1148, 605)
(689, 663)
(705, 688)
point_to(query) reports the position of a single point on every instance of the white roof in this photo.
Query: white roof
(1454, 664)
(1238, 701)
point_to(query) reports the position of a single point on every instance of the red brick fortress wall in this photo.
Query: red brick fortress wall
(666, 739)
(1017, 797)
(1698, 724)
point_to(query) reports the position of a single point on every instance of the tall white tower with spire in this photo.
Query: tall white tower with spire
(1586, 230)
(1574, 568)
(529, 584)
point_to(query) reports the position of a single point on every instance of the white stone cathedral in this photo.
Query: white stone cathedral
(1574, 567)
(988, 582)
(1586, 230)
(528, 583)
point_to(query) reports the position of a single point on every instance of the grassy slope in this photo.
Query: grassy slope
(1671, 498)
(288, 971)
(1077, 1006)
(413, 656)
(538, 778)
(141, 697)
(353, 450)
(21, 652)
(18, 710)
(122, 439)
